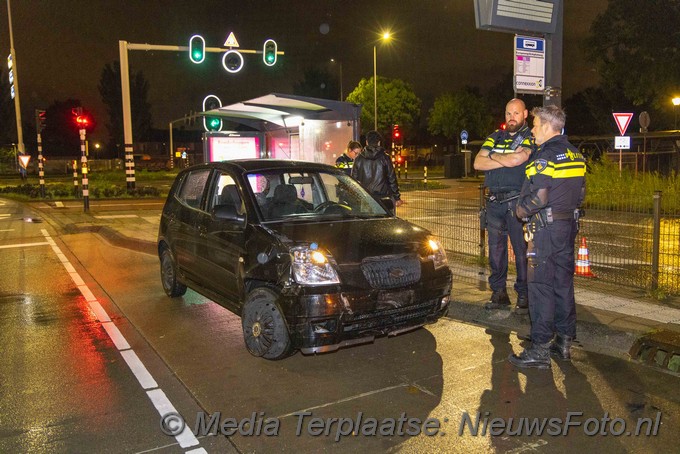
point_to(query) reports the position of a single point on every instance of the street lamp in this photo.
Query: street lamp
(333, 60)
(676, 103)
(385, 37)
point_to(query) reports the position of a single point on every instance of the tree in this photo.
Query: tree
(397, 104)
(111, 93)
(317, 83)
(636, 50)
(453, 112)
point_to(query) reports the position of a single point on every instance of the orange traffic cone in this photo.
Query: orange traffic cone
(582, 261)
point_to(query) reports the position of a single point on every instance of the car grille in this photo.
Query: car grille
(389, 317)
(391, 271)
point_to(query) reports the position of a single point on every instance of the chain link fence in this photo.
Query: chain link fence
(631, 242)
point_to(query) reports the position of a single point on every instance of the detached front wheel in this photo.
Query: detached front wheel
(171, 285)
(264, 329)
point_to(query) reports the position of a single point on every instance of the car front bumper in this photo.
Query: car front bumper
(328, 321)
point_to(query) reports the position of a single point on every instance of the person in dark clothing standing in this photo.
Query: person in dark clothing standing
(502, 158)
(346, 160)
(549, 203)
(373, 169)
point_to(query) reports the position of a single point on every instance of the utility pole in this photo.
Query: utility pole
(13, 68)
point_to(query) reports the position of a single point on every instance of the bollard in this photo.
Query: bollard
(425, 177)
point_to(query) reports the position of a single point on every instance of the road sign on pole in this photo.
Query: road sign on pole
(622, 121)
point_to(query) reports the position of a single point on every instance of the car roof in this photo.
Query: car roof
(250, 165)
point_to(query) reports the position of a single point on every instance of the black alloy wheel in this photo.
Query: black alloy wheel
(172, 287)
(264, 330)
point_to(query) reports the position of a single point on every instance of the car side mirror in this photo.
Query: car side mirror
(228, 213)
(388, 204)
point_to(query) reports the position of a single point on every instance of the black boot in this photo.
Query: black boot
(499, 300)
(522, 307)
(561, 347)
(538, 356)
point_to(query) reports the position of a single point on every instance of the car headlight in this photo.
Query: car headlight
(436, 253)
(312, 266)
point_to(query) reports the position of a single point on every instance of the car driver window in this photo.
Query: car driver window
(225, 192)
(193, 187)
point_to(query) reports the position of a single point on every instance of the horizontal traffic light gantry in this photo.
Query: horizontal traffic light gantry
(232, 60)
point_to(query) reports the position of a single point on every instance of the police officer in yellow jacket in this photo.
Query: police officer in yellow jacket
(502, 158)
(551, 195)
(346, 160)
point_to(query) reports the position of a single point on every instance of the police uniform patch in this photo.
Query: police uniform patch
(541, 165)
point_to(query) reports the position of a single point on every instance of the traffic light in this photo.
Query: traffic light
(269, 52)
(232, 60)
(212, 102)
(196, 49)
(396, 135)
(40, 120)
(82, 121)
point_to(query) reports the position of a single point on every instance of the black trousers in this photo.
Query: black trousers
(501, 222)
(551, 281)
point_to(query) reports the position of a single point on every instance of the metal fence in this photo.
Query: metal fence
(631, 243)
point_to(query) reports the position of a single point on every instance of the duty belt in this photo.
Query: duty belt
(546, 217)
(502, 197)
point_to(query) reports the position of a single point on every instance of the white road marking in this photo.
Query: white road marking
(156, 395)
(139, 369)
(6, 230)
(114, 333)
(186, 438)
(117, 216)
(347, 399)
(94, 205)
(7, 246)
(59, 204)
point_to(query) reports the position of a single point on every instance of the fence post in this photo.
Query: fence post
(656, 233)
(482, 229)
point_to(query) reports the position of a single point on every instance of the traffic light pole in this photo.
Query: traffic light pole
(15, 73)
(85, 183)
(41, 166)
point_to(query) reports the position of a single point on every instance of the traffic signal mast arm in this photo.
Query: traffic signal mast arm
(134, 46)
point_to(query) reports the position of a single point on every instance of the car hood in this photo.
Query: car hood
(353, 240)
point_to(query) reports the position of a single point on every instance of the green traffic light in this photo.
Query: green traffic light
(196, 49)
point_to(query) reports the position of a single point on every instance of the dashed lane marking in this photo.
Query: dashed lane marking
(8, 246)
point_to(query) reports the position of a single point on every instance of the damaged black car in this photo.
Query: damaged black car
(302, 253)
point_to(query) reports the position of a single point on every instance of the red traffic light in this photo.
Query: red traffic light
(82, 121)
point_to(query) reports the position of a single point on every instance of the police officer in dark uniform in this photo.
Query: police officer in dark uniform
(502, 158)
(551, 195)
(346, 160)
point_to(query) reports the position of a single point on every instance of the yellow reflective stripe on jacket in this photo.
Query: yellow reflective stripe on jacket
(569, 170)
(563, 170)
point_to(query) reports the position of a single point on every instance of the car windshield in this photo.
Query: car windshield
(284, 195)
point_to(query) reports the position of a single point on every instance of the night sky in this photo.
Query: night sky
(62, 47)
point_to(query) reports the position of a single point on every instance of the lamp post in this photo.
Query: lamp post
(385, 37)
(13, 67)
(333, 60)
(676, 103)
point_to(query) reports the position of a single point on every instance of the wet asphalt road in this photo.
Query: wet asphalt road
(66, 387)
